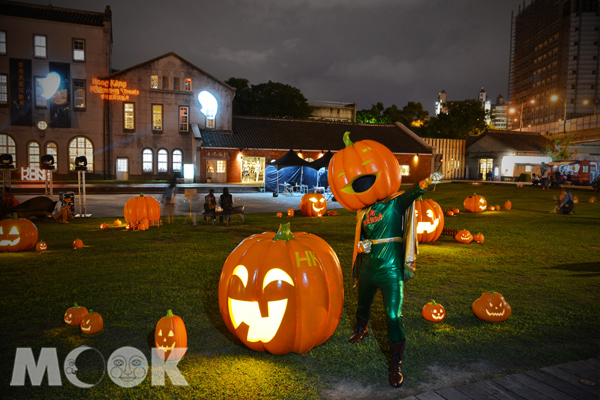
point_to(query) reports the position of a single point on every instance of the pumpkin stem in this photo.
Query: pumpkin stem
(15, 216)
(420, 198)
(91, 311)
(76, 306)
(284, 233)
(492, 292)
(141, 194)
(433, 302)
(169, 313)
(347, 140)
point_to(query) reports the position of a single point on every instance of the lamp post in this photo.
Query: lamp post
(594, 102)
(514, 110)
(554, 98)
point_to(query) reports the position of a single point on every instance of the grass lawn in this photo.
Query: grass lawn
(547, 266)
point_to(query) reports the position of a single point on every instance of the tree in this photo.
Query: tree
(240, 104)
(558, 147)
(373, 116)
(411, 115)
(464, 118)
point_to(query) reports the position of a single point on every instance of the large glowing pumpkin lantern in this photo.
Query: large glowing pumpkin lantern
(17, 234)
(475, 204)
(430, 220)
(313, 205)
(138, 208)
(282, 292)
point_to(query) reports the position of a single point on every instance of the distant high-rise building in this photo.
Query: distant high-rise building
(499, 111)
(554, 52)
(486, 104)
(440, 104)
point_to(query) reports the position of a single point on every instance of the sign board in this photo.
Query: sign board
(33, 174)
(190, 193)
(112, 89)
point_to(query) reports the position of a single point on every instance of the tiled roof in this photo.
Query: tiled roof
(25, 10)
(520, 141)
(270, 133)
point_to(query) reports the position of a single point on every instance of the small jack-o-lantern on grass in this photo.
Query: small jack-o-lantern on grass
(479, 238)
(290, 212)
(118, 222)
(17, 234)
(91, 323)
(433, 311)
(464, 236)
(455, 210)
(497, 208)
(41, 246)
(282, 292)
(170, 337)
(450, 213)
(575, 200)
(313, 205)
(507, 205)
(491, 208)
(430, 220)
(74, 315)
(278, 215)
(137, 208)
(592, 199)
(491, 307)
(475, 204)
(77, 244)
(103, 226)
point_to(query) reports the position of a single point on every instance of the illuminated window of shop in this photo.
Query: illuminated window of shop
(188, 85)
(210, 122)
(210, 166)
(405, 170)
(2, 42)
(184, 125)
(33, 154)
(79, 94)
(81, 146)
(79, 50)
(163, 160)
(176, 83)
(7, 146)
(221, 165)
(52, 149)
(165, 83)
(39, 46)
(253, 169)
(129, 116)
(157, 117)
(177, 160)
(147, 160)
(3, 89)
(40, 101)
(154, 82)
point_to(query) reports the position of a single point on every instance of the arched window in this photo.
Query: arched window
(177, 160)
(163, 160)
(33, 154)
(7, 146)
(147, 160)
(52, 149)
(81, 146)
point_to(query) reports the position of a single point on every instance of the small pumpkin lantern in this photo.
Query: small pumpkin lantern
(137, 208)
(170, 337)
(491, 208)
(464, 236)
(313, 205)
(74, 315)
(475, 204)
(507, 205)
(497, 207)
(455, 210)
(41, 246)
(278, 215)
(491, 307)
(479, 238)
(129, 227)
(332, 213)
(77, 244)
(430, 220)
(17, 234)
(290, 212)
(92, 323)
(433, 311)
(450, 213)
(103, 226)
(575, 200)
(592, 199)
(282, 292)
(118, 222)
(362, 173)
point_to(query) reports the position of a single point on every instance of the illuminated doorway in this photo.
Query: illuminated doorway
(253, 169)
(485, 165)
(216, 171)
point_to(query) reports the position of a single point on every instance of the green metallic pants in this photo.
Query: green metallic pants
(389, 280)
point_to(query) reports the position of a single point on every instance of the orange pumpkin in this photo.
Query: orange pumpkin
(575, 200)
(591, 199)
(74, 315)
(479, 238)
(17, 234)
(282, 292)
(430, 220)
(290, 212)
(278, 215)
(77, 244)
(507, 205)
(313, 205)
(450, 213)
(118, 222)
(433, 311)
(362, 173)
(464, 236)
(497, 208)
(91, 323)
(137, 208)
(170, 337)
(103, 226)
(491, 307)
(455, 210)
(41, 246)
(332, 213)
(475, 204)
(491, 208)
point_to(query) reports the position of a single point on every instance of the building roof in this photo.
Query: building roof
(518, 141)
(272, 133)
(51, 13)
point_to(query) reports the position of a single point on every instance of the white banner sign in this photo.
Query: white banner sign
(33, 174)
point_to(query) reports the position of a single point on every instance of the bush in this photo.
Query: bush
(525, 177)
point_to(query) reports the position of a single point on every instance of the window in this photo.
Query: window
(528, 168)
(3, 89)
(81, 146)
(2, 42)
(163, 161)
(154, 82)
(405, 170)
(177, 160)
(165, 83)
(210, 122)
(128, 116)
(188, 84)
(79, 50)
(40, 101)
(586, 169)
(52, 149)
(221, 164)
(157, 117)
(7, 146)
(79, 94)
(147, 160)
(176, 83)
(183, 119)
(39, 46)
(33, 154)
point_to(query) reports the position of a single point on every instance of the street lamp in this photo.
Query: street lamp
(554, 98)
(514, 110)
(594, 102)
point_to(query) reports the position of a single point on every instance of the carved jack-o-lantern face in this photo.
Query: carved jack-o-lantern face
(74, 315)
(290, 212)
(278, 215)
(313, 205)
(91, 323)
(491, 307)
(41, 246)
(433, 311)
(475, 204)
(170, 337)
(281, 292)
(17, 234)
(430, 220)
(464, 236)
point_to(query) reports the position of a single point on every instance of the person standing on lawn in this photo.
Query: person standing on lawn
(168, 200)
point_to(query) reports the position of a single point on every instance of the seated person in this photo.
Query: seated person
(564, 204)
(596, 184)
(62, 211)
(226, 203)
(210, 203)
(535, 180)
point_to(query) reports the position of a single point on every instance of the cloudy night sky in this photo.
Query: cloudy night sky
(351, 51)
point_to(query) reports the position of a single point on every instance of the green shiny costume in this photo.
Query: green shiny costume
(384, 266)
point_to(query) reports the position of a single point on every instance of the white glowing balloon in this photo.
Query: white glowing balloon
(209, 104)
(50, 84)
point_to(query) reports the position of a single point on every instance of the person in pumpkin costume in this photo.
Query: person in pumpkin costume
(365, 177)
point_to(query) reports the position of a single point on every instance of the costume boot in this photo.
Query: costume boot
(360, 330)
(396, 377)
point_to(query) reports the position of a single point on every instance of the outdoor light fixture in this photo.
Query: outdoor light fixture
(50, 85)
(554, 98)
(188, 171)
(48, 161)
(80, 163)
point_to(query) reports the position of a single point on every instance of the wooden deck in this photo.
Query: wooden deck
(573, 381)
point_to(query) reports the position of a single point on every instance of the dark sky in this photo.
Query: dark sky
(353, 51)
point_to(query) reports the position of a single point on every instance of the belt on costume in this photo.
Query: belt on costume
(386, 240)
